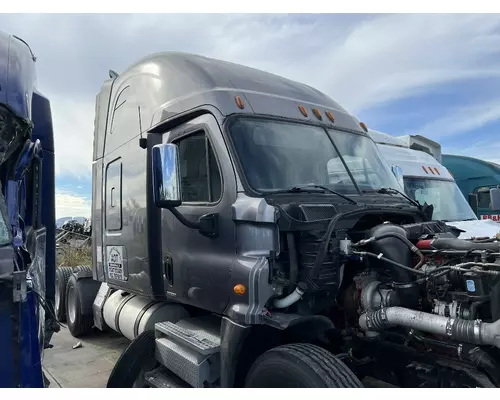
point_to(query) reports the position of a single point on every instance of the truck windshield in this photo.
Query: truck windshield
(447, 199)
(278, 155)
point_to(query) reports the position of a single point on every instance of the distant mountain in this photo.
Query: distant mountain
(62, 220)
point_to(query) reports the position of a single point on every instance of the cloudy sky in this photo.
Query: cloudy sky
(436, 75)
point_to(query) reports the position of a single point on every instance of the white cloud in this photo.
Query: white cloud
(392, 57)
(483, 149)
(463, 120)
(70, 205)
(73, 122)
(360, 61)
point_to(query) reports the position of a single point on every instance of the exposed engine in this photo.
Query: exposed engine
(451, 282)
(449, 287)
(414, 285)
(441, 290)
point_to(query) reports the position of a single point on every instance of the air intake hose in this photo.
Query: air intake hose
(460, 330)
(391, 245)
(457, 244)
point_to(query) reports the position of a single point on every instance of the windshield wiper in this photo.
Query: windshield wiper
(313, 189)
(396, 191)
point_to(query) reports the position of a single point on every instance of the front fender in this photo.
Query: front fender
(242, 344)
(233, 336)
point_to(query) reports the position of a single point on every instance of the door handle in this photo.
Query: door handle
(169, 270)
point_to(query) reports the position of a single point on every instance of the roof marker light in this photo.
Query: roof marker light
(239, 102)
(437, 171)
(425, 169)
(363, 125)
(432, 171)
(330, 116)
(303, 111)
(317, 114)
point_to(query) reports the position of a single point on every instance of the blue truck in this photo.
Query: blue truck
(27, 236)
(478, 180)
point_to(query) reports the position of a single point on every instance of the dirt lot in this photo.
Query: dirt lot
(86, 367)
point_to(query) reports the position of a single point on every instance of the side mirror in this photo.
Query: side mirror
(167, 189)
(166, 176)
(495, 198)
(398, 173)
(473, 202)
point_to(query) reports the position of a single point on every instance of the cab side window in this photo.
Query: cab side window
(200, 176)
(483, 198)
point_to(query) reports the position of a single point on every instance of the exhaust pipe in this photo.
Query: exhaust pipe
(460, 330)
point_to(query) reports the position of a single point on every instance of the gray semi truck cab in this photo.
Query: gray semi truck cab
(234, 247)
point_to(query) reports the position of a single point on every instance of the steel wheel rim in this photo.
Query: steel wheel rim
(71, 304)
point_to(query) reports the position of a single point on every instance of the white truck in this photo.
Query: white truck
(415, 160)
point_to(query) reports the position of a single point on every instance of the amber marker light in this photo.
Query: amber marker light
(240, 289)
(239, 102)
(330, 116)
(317, 114)
(303, 111)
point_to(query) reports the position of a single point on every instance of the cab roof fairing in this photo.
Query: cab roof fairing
(173, 83)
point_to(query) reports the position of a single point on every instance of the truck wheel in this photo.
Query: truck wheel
(137, 358)
(82, 268)
(300, 366)
(79, 319)
(62, 276)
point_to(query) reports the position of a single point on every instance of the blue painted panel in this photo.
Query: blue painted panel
(30, 360)
(17, 75)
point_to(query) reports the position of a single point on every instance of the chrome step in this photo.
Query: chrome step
(98, 306)
(194, 336)
(190, 349)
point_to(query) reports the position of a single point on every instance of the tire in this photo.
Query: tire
(62, 276)
(300, 366)
(135, 359)
(78, 318)
(82, 268)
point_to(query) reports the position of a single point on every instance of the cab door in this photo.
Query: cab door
(197, 267)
